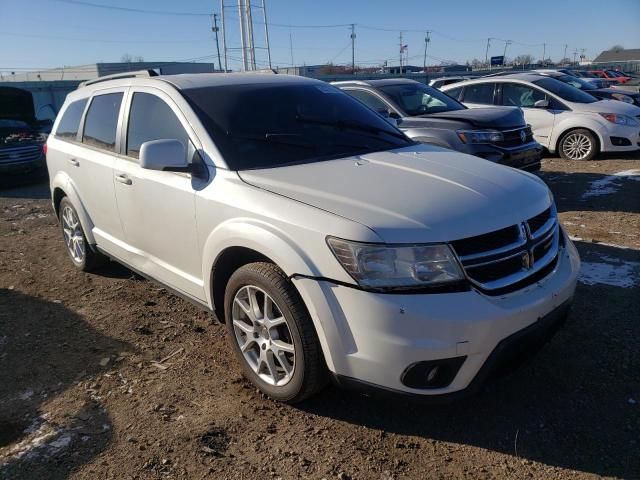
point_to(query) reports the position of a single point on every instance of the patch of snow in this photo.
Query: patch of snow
(611, 271)
(26, 395)
(43, 440)
(611, 183)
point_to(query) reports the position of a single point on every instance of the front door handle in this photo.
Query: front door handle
(122, 178)
(74, 162)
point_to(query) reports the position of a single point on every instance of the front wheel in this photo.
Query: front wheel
(272, 334)
(578, 144)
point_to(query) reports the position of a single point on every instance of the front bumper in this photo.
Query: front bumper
(525, 157)
(372, 338)
(631, 134)
(23, 167)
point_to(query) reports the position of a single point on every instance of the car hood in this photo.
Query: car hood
(493, 117)
(421, 193)
(16, 104)
(608, 106)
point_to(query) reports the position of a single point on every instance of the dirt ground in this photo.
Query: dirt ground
(81, 396)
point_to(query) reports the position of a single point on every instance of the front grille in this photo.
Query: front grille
(513, 138)
(20, 154)
(511, 258)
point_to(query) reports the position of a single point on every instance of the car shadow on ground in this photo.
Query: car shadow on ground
(46, 349)
(27, 190)
(570, 406)
(594, 192)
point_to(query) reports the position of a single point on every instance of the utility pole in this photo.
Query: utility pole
(544, 53)
(291, 47)
(427, 39)
(215, 30)
(353, 48)
(582, 56)
(486, 53)
(401, 53)
(266, 31)
(575, 53)
(504, 59)
(565, 51)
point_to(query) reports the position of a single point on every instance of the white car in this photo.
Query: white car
(564, 119)
(330, 244)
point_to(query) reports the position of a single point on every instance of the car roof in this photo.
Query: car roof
(525, 77)
(376, 83)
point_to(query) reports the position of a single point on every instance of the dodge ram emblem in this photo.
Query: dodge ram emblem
(523, 136)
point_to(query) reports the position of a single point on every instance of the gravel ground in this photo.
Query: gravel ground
(81, 396)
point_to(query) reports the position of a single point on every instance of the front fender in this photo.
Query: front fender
(62, 181)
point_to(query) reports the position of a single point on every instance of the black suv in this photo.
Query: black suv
(498, 134)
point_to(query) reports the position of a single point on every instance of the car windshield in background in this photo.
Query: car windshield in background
(417, 99)
(576, 82)
(565, 91)
(271, 125)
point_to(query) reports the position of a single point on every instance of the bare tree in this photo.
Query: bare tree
(616, 48)
(477, 64)
(139, 58)
(126, 58)
(525, 59)
(565, 61)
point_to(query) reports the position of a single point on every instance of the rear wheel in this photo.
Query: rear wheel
(579, 144)
(81, 254)
(272, 334)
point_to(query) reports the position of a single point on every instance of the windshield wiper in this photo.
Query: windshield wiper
(279, 138)
(350, 125)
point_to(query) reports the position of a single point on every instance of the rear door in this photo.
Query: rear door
(479, 95)
(524, 96)
(157, 208)
(89, 156)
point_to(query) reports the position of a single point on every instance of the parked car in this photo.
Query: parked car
(611, 75)
(22, 137)
(632, 98)
(429, 116)
(329, 243)
(586, 76)
(564, 119)
(442, 81)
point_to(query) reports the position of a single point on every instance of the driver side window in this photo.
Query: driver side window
(517, 95)
(151, 118)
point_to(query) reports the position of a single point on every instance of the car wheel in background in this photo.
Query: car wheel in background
(272, 334)
(579, 144)
(81, 254)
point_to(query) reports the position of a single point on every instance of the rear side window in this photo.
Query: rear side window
(518, 95)
(454, 92)
(369, 99)
(479, 93)
(70, 121)
(102, 121)
(151, 119)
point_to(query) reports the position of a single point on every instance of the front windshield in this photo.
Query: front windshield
(565, 91)
(576, 82)
(270, 125)
(418, 99)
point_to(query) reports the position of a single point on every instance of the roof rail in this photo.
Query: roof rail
(344, 82)
(134, 74)
(261, 71)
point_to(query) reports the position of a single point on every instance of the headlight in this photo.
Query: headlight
(622, 97)
(480, 136)
(387, 266)
(620, 119)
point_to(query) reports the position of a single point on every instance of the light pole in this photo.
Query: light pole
(486, 53)
(504, 55)
(215, 30)
(427, 39)
(353, 49)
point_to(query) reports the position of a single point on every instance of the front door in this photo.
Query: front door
(157, 208)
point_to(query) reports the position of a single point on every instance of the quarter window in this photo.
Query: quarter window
(516, 95)
(102, 121)
(151, 119)
(479, 93)
(70, 121)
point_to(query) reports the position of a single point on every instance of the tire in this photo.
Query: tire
(578, 144)
(82, 256)
(284, 375)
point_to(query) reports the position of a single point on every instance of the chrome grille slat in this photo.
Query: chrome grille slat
(497, 269)
(20, 154)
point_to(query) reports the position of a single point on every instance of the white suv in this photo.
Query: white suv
(330, 244)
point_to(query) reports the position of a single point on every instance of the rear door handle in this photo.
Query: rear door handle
(122, 178)
(74, 162)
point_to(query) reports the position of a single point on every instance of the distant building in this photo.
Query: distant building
(624, 58)
(303, 70)
(51, 86)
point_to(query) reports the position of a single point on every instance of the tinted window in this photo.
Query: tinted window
(576, 82)
(369, 99)
(454, 92)
(70, 121)
(270, 125)
(151, 118)
(565, 91)
(518, 95)
(102, 120)
(418, 99)
(479, 93)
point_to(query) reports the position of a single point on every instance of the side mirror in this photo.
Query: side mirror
(165, 155)
(541, 104)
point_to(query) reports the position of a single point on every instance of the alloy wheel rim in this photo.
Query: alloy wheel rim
(577, 146)
(263, 335)
(73, 236)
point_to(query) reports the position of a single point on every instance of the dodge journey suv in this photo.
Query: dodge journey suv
(330, 244)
